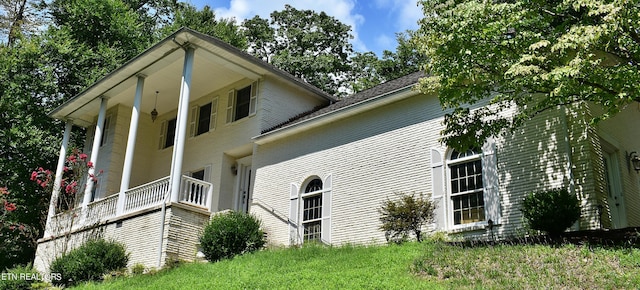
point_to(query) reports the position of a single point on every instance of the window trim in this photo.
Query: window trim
(194, 123)
(296, 209)
(449, 198)
(206, 172)
(307, 195)
(232, 99)
(164, 130)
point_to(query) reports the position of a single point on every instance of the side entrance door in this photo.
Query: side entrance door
(244, 177)
(615, 197)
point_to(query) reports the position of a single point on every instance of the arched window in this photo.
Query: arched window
(314, 185)
(467, 189)
(312, 211)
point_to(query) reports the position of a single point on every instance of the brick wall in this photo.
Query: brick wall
(140, 233)
(374, 154)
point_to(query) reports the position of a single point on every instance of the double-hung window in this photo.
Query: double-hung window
(467, 190)
(312, 211)
(203, 118)
(167, 133)
(241, 103)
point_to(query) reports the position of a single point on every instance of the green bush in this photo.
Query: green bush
(90, 261)
(406, 215)
(19, 278)
(230, 234)
(137, 269)
(551, 211)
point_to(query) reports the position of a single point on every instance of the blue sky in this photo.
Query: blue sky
(373, 22)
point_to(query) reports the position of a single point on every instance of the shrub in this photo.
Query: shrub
(19, 278)
(137, 269)
(172, 263)
(551, 211)
(406, 215)
(90, 261)
(229, 234)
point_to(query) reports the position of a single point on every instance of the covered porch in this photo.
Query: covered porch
(127, 114)
(194, 194)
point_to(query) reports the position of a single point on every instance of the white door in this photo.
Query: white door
(244, 187)
(614, 190)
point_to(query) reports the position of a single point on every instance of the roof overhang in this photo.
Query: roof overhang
(335, 115)
(161, 65)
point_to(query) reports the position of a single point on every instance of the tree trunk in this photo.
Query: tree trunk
(16, 22)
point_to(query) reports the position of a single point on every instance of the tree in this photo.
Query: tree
(28, 138)
(312, 46)
(533, 56)
(369, 71)
(105, 25)
(365, 71)
(37, 73)
(403, 61)
(18, 17)
(260, 37)
(205, 21)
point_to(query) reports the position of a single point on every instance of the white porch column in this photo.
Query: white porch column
(181, 126)
(97, 139)
(59, 171)
(131, 145)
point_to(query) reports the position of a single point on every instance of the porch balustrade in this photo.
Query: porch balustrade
(102, 209)
(146, 195)
(193, 192)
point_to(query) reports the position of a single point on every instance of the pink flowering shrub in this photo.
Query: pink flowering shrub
(13, 234)
(8, 206)
(4, 199)
(75, 172)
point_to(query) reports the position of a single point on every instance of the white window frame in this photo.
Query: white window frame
(232, 98)
(306, 195)
(450, 194)
(296, 210)
(164, 127)
(195, 118)
(206, 172)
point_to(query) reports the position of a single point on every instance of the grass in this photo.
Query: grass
(531, 266)
(409, 266)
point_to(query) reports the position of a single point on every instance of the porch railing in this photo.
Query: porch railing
(146, 195)
(102, 209)
(192, 191)
(195, 192)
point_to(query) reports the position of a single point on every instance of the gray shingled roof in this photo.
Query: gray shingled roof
(378, 90)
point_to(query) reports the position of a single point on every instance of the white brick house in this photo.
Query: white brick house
(236, 133)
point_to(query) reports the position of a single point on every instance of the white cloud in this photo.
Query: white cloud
(410, 13)
(384, 40)
(342, 10)
(406, 12)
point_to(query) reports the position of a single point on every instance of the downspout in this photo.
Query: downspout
(163, 218)
(569, 156)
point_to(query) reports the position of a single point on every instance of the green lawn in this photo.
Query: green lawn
(409, 266)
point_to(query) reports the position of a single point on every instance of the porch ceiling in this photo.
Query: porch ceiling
(216, 65)
(165, 77)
